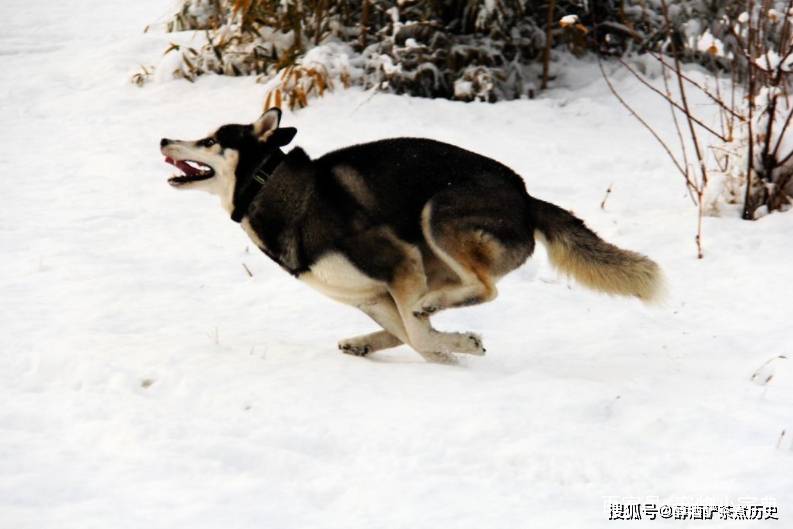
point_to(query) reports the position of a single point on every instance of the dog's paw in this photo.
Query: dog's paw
(440, 357)
(469, 343)
(355, 349)
(456, 342)
(429, 304)
(475, 341)
(425, 311)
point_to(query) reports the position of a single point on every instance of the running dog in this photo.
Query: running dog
(400, 228)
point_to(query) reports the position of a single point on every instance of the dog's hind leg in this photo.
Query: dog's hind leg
(477, 243)
(407, 286)
(384, 311)
(381, 255)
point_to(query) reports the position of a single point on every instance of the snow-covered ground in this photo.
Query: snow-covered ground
(147, 381)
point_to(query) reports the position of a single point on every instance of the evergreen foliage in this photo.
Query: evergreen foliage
(465, 49)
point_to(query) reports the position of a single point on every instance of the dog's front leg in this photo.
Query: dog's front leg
(369, 343)
(383, 311)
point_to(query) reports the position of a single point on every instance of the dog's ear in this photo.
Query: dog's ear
(267, 123)
(282, 136)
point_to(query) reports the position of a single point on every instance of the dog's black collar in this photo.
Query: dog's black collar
(258, 178)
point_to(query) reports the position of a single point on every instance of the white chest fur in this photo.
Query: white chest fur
(336, 277)
(246, 226)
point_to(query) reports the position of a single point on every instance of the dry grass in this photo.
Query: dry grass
(296, 84)
(140, 77)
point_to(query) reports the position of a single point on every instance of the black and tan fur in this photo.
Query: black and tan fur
(400, 228)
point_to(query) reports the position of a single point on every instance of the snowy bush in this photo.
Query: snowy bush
(198, 14)
(484, 50)
(748, 156)
(753, 152)
(476, 49)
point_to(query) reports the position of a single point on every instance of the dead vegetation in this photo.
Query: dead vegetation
(749, 149)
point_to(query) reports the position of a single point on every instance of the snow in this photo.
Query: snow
(710, 44)
(568, 20)
(768, 61)
(463, 89)
(147, 381)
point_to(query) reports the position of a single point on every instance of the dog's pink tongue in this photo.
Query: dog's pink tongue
(185, 167)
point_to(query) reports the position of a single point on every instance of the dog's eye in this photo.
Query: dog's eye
(209, 142)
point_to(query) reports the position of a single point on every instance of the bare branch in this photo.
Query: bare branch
(671, 101)
(680, 137)
(748, 211)
(546, 57)
(646, 125)
(700, 187)
(715, 98)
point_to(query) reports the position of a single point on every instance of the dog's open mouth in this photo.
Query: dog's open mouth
(193, 171)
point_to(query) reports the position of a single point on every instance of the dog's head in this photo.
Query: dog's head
(215, 163)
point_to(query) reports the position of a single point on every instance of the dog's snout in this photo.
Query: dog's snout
(164, 142)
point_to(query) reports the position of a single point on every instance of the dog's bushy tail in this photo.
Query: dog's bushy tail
(578, 252)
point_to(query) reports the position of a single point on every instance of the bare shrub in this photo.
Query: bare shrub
(748, 156)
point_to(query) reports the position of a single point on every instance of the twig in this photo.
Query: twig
(639, 118)
(372, 92)
(546, 57)
(782, 133)
(690, 119)
(769, 159)
(689, 184)
(250, 274)
(672, 102)
(726, 153)
(318, 26)
(779, 78)
(364, 23)
(748, 209)
(606, 197)
(715, 98)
